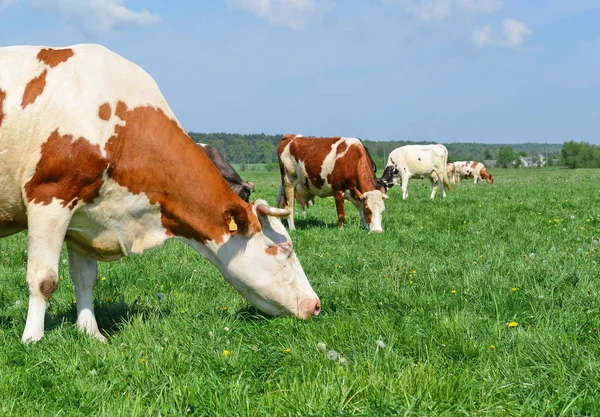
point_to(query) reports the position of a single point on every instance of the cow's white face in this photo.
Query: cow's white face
(371, 210)
(264, 269)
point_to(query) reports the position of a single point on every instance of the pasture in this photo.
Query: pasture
(485, 303)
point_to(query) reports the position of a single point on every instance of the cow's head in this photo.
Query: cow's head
(486, 176)
(371, 208)
(258, 260)
(388, 175)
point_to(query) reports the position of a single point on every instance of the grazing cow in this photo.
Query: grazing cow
(237, 184)
(323, 167)
(472, 169)
(417, 161)
(451, 172)
(91, 154)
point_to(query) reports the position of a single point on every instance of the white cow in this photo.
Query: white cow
(417, 161)
(472, 169)
(91, 153)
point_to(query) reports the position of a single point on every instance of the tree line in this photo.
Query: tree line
(261, 148)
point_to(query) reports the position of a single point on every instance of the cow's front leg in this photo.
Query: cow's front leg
(84, 271)
(339, 205)
(404, 177)
(47, 226)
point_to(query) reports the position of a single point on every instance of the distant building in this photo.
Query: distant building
(533, 162)
(490, 163)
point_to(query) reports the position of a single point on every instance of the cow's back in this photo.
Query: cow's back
(66, 94)
(420, 160)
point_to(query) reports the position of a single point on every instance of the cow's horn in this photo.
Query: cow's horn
(266, 210)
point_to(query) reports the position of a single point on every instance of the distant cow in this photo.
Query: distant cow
(237, 184)
(417, 161)
(338, 167)
(451, 172)
(472, 169)
(91, 154)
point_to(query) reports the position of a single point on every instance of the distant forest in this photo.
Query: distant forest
(262, 148)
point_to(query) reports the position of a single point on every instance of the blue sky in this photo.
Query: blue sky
(494, 71)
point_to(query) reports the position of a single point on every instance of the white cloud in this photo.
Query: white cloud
(98, 16)
(7, 3)
(514, 33)
(439, 10)
(482, 35)
(291, 13)
(480, 6)
(430, 11)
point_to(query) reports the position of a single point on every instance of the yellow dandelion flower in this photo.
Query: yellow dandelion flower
(287, 350)
(108, 299)
(223, 308)
(143, 361)
(521, 202)
(513, 289)
(452, 291)
(414, 271)
(513, 324)
(493, 347)
(74, 301)
(103, 278)
(226, 353)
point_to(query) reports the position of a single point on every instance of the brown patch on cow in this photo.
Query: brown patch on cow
(54, 57)
(48, 285)
(2, 97)
(121, 110)
(341, 148)
(474, 164)
(33, 89)
(312, 152)
(104, 112)
(151, 154)
(67, 170)
(271, 250)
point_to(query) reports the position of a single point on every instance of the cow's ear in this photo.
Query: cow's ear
(241, 220)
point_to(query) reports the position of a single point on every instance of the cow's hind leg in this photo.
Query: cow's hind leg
(84, 271)
(289, 191)
(47, 226)
(435, 180)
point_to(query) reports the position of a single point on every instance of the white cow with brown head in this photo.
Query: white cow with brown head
(91, 154)
(472, 169)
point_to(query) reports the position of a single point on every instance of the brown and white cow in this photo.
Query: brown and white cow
(417, 161)
(323, 167)
(472, 169)
(451, 172)
(91, 153)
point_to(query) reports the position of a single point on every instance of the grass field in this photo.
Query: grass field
(487, 303)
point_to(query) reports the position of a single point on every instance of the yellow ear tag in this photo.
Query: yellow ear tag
(232, 225)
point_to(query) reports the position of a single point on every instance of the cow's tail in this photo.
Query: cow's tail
(445, 173)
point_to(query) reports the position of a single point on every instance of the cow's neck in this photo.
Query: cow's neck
(152, 154)
(366, 179)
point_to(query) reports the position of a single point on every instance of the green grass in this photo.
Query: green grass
(438, 288)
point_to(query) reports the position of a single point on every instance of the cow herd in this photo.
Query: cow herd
(92, 155)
